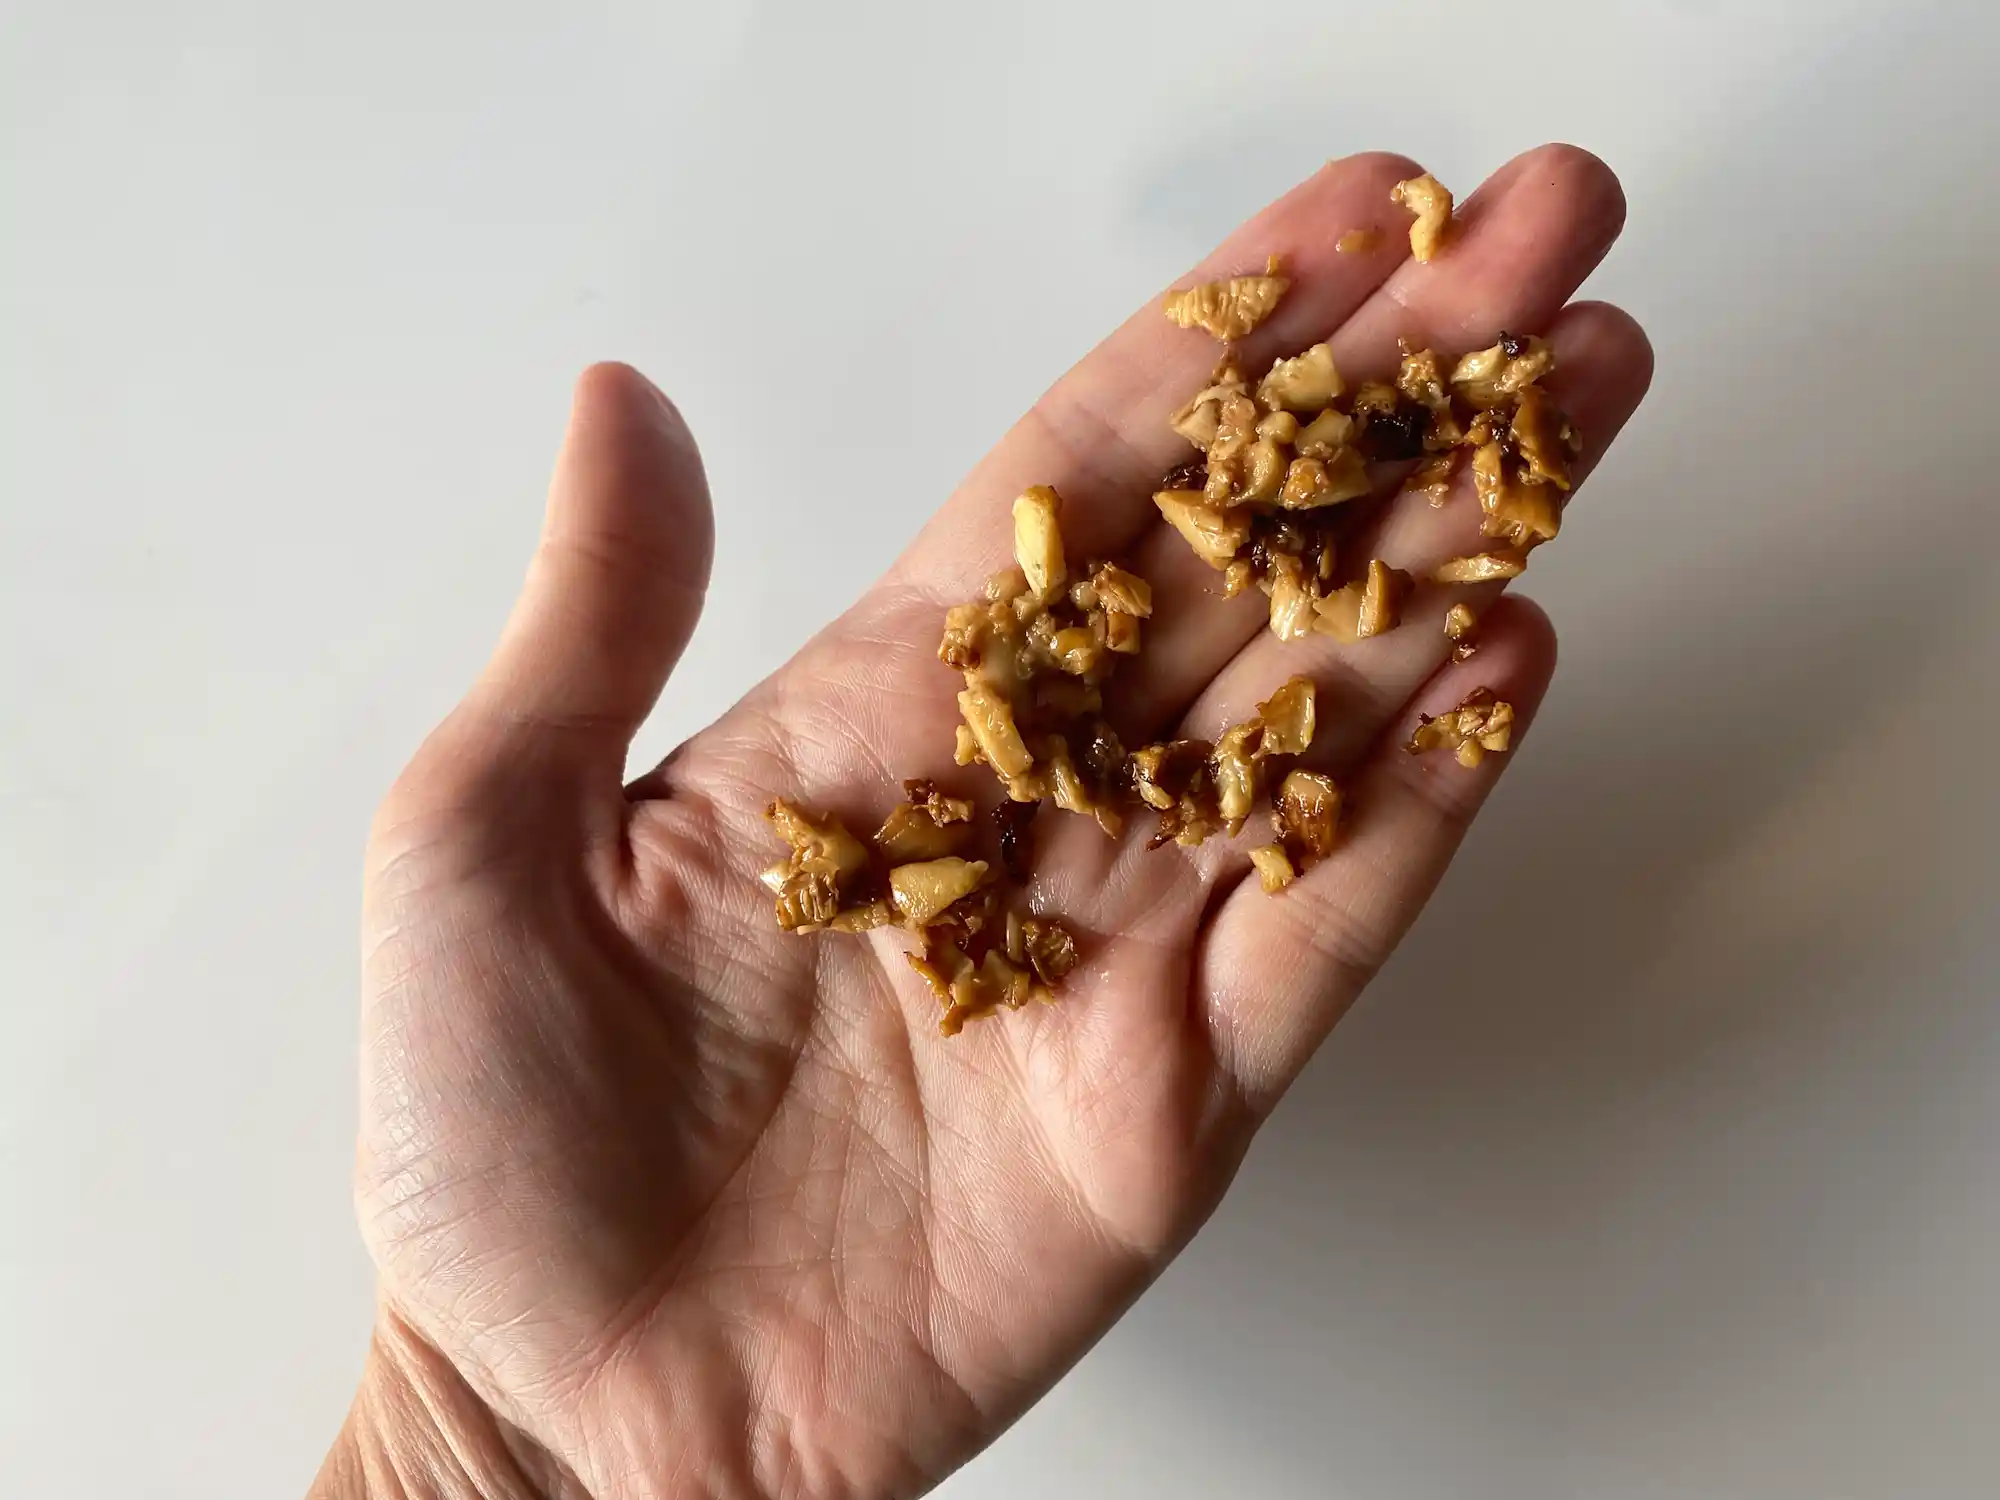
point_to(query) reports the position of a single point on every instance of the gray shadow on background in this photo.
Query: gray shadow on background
(1683, 880)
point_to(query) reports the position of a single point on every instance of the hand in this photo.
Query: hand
(667, 1202)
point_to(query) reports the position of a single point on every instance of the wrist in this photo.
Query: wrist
(417, 1431)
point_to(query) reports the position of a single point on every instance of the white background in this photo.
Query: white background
(1692, 1190)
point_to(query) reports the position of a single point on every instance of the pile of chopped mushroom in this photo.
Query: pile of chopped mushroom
(1283, 461)
(1284, 464)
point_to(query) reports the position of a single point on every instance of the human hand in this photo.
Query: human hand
(667, 1202)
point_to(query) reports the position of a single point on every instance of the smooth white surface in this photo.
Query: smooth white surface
(1694, 1192)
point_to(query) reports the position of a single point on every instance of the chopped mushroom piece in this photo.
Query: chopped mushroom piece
(1311, 483)
(1228, 310)
(1479, 724)
(1050, 950)
(1482, 567)
(825, 867)
(1202, 416)
(991, 721)
(1037, 543)
(1459, 621)
(1307, 813)
(1430, 201)
(1432, 477)
(1544, 438)
(1214, 534)
(1420, 379)
(1233, 766)
(1292, 604)
(1274, 867)
(1307, 383)
(1521, 514)
(1288, 718)
(1281, 427)
(1370, 606)
(926, 825)
(923, 890)
(875, 914)
(1492, 377)
(1325, 435)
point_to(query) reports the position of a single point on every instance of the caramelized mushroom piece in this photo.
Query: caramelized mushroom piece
(1420, 379)
(1274, 867)
(1430, 201)
(1311, 482)
(1544, 438)
(1288, 718)
(1459, 621)
(1037, 542)
(1483, 567)
(1432, 477)
(1371, 605)
(1479, 724)
(1492, 377)
(1307, 813)
(824, 868)
(1228, 310)
(1306, 383)
(1214, 534)
(925, 825)
(991, 720)
(1199, 420)
(1522, 515)
(922, 891)
(1325, 435)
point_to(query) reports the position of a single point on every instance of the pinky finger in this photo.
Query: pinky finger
(1277, 972)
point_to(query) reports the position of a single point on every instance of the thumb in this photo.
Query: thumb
(618, 578)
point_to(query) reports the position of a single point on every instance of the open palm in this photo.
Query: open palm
(668, 1202)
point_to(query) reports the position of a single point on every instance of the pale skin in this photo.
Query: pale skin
(668, 1203)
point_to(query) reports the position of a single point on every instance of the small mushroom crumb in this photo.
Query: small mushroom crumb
(1372, 605)
(1483, 567)
(1517, 511)
(1037, 543)
(925, 825)
(1430, 201)
(1274, 867)
(1491, 377)
(1200, 789)
(1356, 242)
(1459, 621)
(1432, 478)
(1306, 816)
(1479, 724)
(1307, 383)
(920, 892)
(1229, 309)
